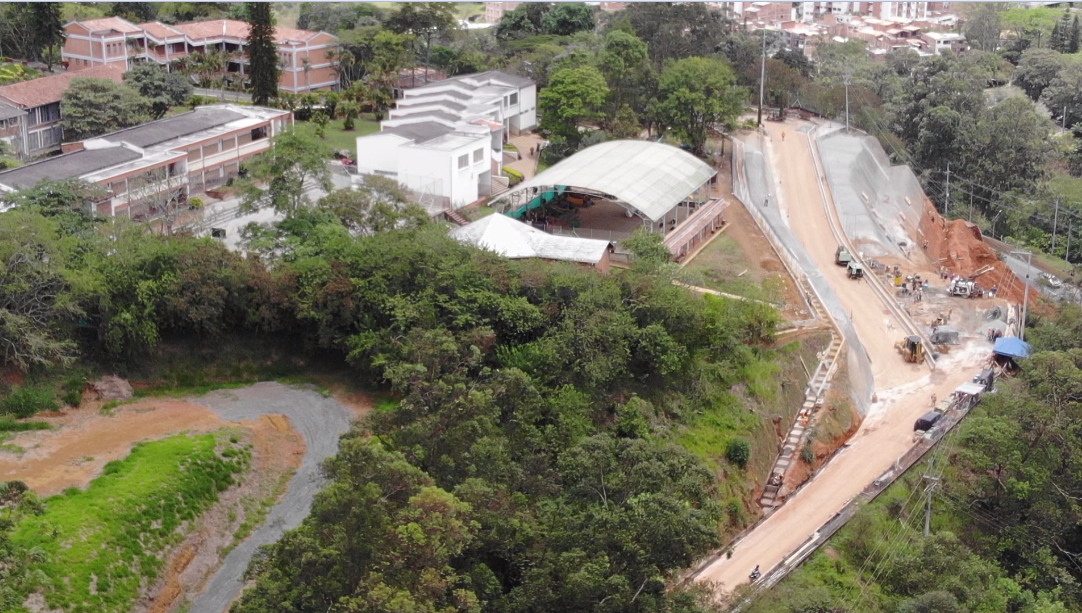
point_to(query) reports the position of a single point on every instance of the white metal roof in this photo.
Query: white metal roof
(651, 177)
(970, 389)
(514, 239)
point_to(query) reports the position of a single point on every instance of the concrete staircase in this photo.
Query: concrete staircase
(456, 217)
(813, 401)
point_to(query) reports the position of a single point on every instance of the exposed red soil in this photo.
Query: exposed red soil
(959, 247)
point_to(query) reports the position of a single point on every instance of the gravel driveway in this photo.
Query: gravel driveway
(322, 421)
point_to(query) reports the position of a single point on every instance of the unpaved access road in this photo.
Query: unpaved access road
(903, 389)
(322, 421)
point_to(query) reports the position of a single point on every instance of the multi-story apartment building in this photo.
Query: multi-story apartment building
(810, 11)
(35, 130)
(305, 57)
(494, 11)
(169, 159)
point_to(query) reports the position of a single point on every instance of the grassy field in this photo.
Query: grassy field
(463, 10)
(338, 138)
(719, 265)
(99, 547)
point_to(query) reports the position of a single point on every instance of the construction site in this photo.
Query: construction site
(917, 306)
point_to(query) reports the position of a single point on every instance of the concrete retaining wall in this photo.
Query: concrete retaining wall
(753, 186)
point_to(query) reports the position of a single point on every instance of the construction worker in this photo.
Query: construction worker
(933, 400)
(783, 136)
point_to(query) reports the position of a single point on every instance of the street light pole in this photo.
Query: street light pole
(1025, 299)
(762, 80)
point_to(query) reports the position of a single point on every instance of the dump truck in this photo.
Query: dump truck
(911, 348)
(855, 270)
(842, 257)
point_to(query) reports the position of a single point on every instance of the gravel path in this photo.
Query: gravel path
(322, 421)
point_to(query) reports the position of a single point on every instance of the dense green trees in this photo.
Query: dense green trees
(574, 95)
(529, 460)
(92, 107)
(163, 89)
(262, 53)
(696, 95)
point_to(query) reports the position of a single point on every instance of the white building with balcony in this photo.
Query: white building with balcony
(444, 140)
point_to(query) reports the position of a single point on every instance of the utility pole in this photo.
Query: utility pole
(1067, 256)
(1063, 124)
(762, 80)
(1025, 299)
(848, 73)
(1055, 223)
(928, 505)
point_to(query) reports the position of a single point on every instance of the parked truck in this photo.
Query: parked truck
(842, 257)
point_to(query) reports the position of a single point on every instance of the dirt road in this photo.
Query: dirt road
(322, 421)
(903, 389)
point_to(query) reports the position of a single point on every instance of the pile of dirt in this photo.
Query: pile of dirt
(112, 387)
(959, 247)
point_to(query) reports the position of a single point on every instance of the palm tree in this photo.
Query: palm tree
(348, 112)
(306, 64)
(344, 68)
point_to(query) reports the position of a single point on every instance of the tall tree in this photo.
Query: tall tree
(1036, 69)
(574, 95)
(1064, 95)
(677, 30)
(378, 204)
(163, 89)
(48, 30)
(696, 94)
(262, 53)
(983, 26)
(92, 107)
(625, 62)
(566, 18)
(293, 162)
(1074, 42)
(424, 20)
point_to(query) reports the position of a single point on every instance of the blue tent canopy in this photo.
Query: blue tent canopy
(1012, 347)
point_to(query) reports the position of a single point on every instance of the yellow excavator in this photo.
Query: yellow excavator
(911, 348)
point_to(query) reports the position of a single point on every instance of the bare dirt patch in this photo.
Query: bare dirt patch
(84, 440)
(958, 246)
(277, 453)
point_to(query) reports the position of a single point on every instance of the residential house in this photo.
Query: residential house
(169, 159)
(937, 42)
(40, 132)
(307, 59)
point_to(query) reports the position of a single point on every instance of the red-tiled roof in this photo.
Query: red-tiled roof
(36, 92)
(110, 23)
(232, 28)
(160, 31)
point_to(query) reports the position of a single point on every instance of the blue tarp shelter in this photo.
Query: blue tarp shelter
(1011, 347)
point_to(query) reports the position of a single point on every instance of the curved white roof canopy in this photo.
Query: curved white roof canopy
(650, 177)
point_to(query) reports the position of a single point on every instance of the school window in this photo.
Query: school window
(478, 155)
(463, 161)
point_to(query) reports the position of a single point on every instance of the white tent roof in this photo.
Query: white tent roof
(651, 177)
(514, 239)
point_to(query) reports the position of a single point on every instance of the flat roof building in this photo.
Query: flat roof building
(169, 159)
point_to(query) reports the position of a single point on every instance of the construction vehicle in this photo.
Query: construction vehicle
(842, 257)
(911, 348)
(855, 270)
(964, 288)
